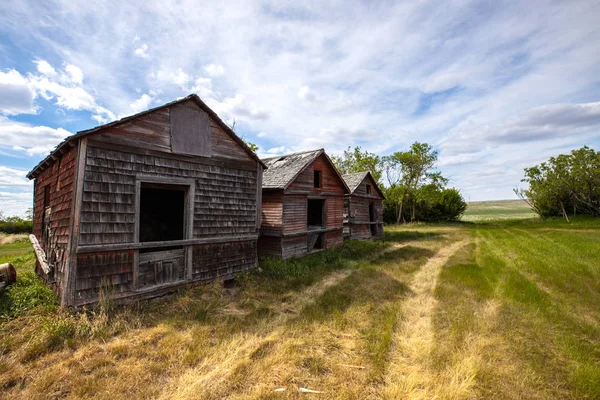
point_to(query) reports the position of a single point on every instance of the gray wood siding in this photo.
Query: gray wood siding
(222, 260)
(224, 203)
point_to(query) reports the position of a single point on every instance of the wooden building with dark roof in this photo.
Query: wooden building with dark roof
(363, 207)
(146, 204)
(302, 204)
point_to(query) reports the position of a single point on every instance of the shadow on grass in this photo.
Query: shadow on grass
(401, 236)
(522, 325)
(366, 286)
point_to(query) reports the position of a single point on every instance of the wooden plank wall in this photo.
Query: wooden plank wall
(224, 204)
(272, 212)
(60, 178)
(222, 260)
(294, 246)
(359, 218)
(109, 271)
(294, 213)
(269, 246)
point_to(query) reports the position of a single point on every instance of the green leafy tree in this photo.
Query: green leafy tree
(564, 185)
(409, 170)
(357, 160)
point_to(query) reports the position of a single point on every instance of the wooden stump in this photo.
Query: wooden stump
(8, 275)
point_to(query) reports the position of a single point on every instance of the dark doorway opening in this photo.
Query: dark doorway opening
(161, 213)
(314, 214)
(372, 219)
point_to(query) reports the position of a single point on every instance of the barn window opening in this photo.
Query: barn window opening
(161, 213)
(44, 222)
(317, 179)
(314, 215)
(368, 189)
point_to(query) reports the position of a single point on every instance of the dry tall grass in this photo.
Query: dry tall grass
(432, 312)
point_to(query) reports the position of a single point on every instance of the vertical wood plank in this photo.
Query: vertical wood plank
(259, 176)
(68, 295)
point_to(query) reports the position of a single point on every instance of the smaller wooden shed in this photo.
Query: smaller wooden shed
(363, 207)
(302, 204)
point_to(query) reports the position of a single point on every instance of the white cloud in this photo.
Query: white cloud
(16, 94)
(542, 123)
(300, 74)
(214, 70)
(15, 203)
(177, 77)
(75, 73)
(141, 104)
(11, 177)
(304, 93)
(238, 107)
(142, 51)
(33, 140)
(45, 69)
(66, 89)
(202, 87)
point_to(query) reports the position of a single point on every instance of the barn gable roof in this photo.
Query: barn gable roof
(355, 179)
(72, 140)
(283, 170)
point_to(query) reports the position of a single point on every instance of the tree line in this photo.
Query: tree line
(565, 185)
(16, 224)
(414, 190)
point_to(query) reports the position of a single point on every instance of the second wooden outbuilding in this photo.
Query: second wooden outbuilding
(363, 207)
(302, 204)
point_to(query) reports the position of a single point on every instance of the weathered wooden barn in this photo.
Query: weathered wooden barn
(363, 207)
(146, 204)
(302, 204)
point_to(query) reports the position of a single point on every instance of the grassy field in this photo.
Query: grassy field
(507, 309)
(497, 210)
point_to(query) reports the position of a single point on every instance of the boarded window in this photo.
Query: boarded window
(368, 189)
(161, 212)
(317, 179)
(190, 130)
(314, 214)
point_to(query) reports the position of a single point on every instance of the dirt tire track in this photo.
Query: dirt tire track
(407, 375)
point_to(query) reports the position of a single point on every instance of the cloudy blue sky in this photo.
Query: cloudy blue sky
(495, 86)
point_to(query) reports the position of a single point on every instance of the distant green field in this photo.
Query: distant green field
(498, 210)
(18, 248)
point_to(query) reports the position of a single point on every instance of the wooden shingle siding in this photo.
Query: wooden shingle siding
(96, 180)
(60, 181)
(108, 271)
(286, 235)
(294, 213)
(224, 201)
(294, 246)
(272, 213)
(269, 246)
(223, 260)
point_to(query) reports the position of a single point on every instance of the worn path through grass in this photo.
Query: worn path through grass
(498, 310)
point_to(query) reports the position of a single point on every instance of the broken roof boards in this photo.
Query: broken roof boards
(302, 204)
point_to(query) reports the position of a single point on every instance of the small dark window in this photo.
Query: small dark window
(161, 213)
(317, 180)
(368, 189)
(314, 214)
(44, 211)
